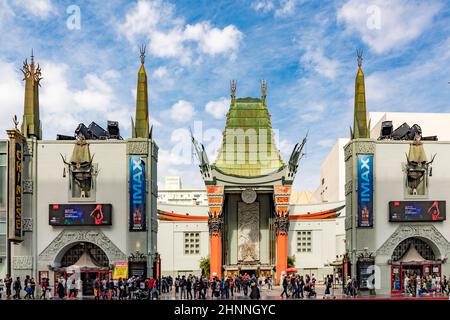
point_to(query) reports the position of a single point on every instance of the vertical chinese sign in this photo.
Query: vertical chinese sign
(138, 194)
(365, 190)
(15, 170)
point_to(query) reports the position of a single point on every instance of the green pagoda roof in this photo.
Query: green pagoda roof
(248, 147)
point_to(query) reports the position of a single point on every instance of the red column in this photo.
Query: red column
(215, 224)
(282, 254)
(215, 256)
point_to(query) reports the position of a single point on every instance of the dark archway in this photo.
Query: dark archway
(425, 250)
(74, 253)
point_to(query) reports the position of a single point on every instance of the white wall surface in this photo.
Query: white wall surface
(171, 246)
(323, 243)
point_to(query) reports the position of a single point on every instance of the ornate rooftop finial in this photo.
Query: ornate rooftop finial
(15, 121)
(38, 75)
(31, 125)
(233, 84)
(359, 52)
(142, 51)
(263, 88)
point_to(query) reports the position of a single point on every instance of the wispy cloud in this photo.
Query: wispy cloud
(39, 8)
(170, 37)
(388, 25)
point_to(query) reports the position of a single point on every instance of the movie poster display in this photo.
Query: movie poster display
(120, 270)
(138, 194)
(417, 211)
(365, 190)
(80, 214)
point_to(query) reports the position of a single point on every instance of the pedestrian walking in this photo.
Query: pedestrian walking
(17, 286)
(60, 290)
(8, 283)
(2, 288)
(285, 287)
(255, 293)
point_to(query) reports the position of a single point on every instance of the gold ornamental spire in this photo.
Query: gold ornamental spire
(360, 127)
(140, 127)
(31, 125)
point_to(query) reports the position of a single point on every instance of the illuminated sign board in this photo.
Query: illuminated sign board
(417, 211)
(365, 190)
(80, 214)
(138, 194)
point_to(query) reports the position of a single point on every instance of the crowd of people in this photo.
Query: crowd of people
(15, 286)
(200, 287)
(418, 286)
(297, 286)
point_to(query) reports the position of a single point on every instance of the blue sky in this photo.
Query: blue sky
(305, 49)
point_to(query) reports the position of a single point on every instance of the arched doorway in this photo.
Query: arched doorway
(75, 252)
(80, 265)
(414, 258)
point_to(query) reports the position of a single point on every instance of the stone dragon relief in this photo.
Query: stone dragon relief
(403, 232)
(69, 237)
(248, 232)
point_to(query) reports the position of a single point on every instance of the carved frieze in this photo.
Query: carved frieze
(406, 231)
(137, 147)
(365, 147)
(27, 186)
(215, 224)
(68, 237)
(22, 262)
(248, 231)
(348, 187)
(27, 224)
(348, 152)
(282, 224)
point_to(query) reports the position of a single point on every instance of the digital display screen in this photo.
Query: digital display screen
(80, 214)
(400, 211)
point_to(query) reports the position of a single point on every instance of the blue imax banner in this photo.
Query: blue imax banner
(365, 190)
(138, 194)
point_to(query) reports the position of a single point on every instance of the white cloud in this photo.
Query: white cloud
(182, 111)
(61, 106)
(312, 112)
(96, 96)
(40, 8)
(287, 8)
(160, 72)
(218, 108)
(386, 25)
(11, 96)
(145, 17)
(326, 143)
(213, 40)
(315, 59)
(264, 5)
(170, 37)
(282, 8)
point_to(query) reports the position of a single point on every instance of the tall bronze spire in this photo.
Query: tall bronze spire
(360, 127)
(140, 129)
(31, 125)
